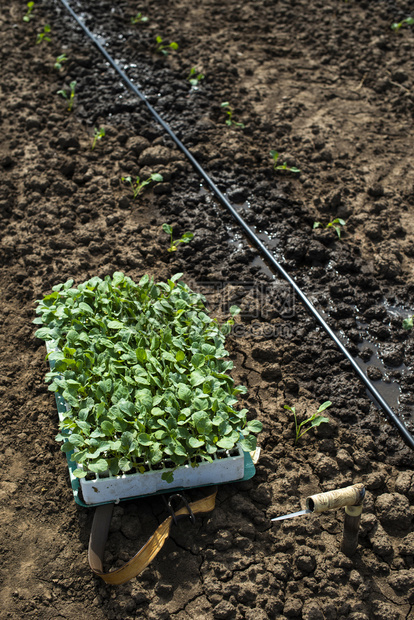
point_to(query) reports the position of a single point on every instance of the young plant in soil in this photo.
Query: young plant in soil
(143, 369)
(43, 36)
(28, 16)
(70, 98)
(408, 21)
(276, 166)
(335, 224)
(186, 238)
(306, 425)
(139, 19)
(138, 185)
(164, 48)
(59, 62)
(98, 134)
(194, 77)
(229, 120)
(408, 323)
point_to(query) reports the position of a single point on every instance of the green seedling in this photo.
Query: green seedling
(186, 238)
(226, 327)
(408, 323)
(311, 422)
(98, 134)
(139, 19)
(229, 120)
(70, 98)
(144, 372)
(194, 77)
(162, 48)
(408, 21)
(43, 36)
(276, 166)
(59, 62)
(335, 224)
(138, 185)
(28, 16)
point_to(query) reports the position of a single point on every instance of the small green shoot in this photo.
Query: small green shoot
(59, 62)
(275, 157)
(408, 323)
(138, 185)
(186, 238)
(229, 120)
(408, 21)
(43, 36)
(28, 16)
(311, 422)
(98, 134)
(227, 326)
(194, 77)
(162, 48)
(139, 19)
(71, 97)
(335, 224)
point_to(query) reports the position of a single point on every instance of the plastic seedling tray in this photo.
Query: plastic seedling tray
(113, 488)
(235, 465)
(227, 466)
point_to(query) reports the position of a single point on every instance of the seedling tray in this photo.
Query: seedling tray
(235, 465)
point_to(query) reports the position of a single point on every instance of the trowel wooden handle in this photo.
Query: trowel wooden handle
(349, 496)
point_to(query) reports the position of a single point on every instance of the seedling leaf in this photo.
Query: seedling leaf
(407, 323)
(324, 406)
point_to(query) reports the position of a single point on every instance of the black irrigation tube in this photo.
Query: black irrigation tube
(392, 417)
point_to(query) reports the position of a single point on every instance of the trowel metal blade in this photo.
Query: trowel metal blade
(293, 514)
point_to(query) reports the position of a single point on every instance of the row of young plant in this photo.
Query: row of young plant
(143, 369)
(137, 184)
(139, 18)
(194, 77)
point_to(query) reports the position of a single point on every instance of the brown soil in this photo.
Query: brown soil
(328, 85)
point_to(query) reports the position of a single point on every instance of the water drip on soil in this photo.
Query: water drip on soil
(388, 387)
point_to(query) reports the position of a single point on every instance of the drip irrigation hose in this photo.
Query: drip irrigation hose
(392, 417)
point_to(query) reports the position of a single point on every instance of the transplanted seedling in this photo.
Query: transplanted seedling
(164, 48)
(408, 21)
(70, 98)
(195, 77)
(306, 425)
(59, 62)
(139, 19)
(408, 323)
(227, 326)
(28, 16)
(284, 166)
(138, 185)
(229, 111)
(186, 238)
(335, 224)
(98, 134)
(43, 36)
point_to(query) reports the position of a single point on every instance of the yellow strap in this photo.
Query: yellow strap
(146, 554)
